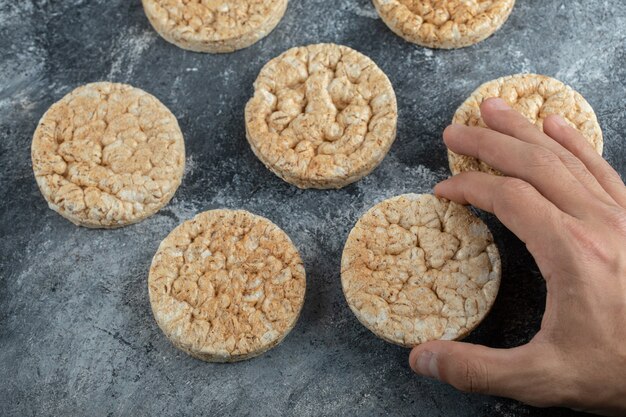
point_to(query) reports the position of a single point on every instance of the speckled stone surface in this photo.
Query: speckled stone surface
(76, 333)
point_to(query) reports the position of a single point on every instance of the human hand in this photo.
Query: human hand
(568, 206)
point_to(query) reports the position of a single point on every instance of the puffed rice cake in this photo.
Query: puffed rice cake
(107, 155)
(417, 268)
(215, 26)
(536, 97)
(226, 286)
(444, 24)
(322, 116)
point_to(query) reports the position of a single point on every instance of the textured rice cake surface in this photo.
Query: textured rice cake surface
(417, 268)
(215, 26)
(322, 116)
(226, 285)
(108, 155)
(444, 23)
(536, 97)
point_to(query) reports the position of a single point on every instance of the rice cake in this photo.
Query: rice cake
(445, 24)
(322, 116)
(107, 155)
(215, 26)
(417, 268)
(226, 286)
(534, 96)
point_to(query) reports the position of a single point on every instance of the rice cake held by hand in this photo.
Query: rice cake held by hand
(107, 155)
(417, 268)
(444, 24)
(534, 96)
(215, 26)
(226, 286)
(322, 116)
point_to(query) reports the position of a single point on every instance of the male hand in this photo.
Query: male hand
(568, 206)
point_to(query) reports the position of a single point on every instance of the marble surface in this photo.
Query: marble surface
(77, 335)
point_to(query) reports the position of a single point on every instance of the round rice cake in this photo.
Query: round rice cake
(444, 24)
(536, 97)
(226, 286)
(215, 26)
(322, 116)
(417, 268)
(107, 155)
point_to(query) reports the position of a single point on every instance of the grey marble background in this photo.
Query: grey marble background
(77, 337)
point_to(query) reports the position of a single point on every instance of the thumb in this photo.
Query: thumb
(519, 373)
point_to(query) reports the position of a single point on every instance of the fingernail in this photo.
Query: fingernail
(426, 364)
(499, 104)
(451, 130)
(437, 188)
(455, 126)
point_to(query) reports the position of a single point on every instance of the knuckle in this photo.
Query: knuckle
(577, 168)
(610, 177)
(539, 156)
(509, 192)
(515, 186)
(471, 377)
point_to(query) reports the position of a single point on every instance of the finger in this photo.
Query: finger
(524, 373)
(555, 127)
(534, 164)
(518, 205)
(499, 116)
